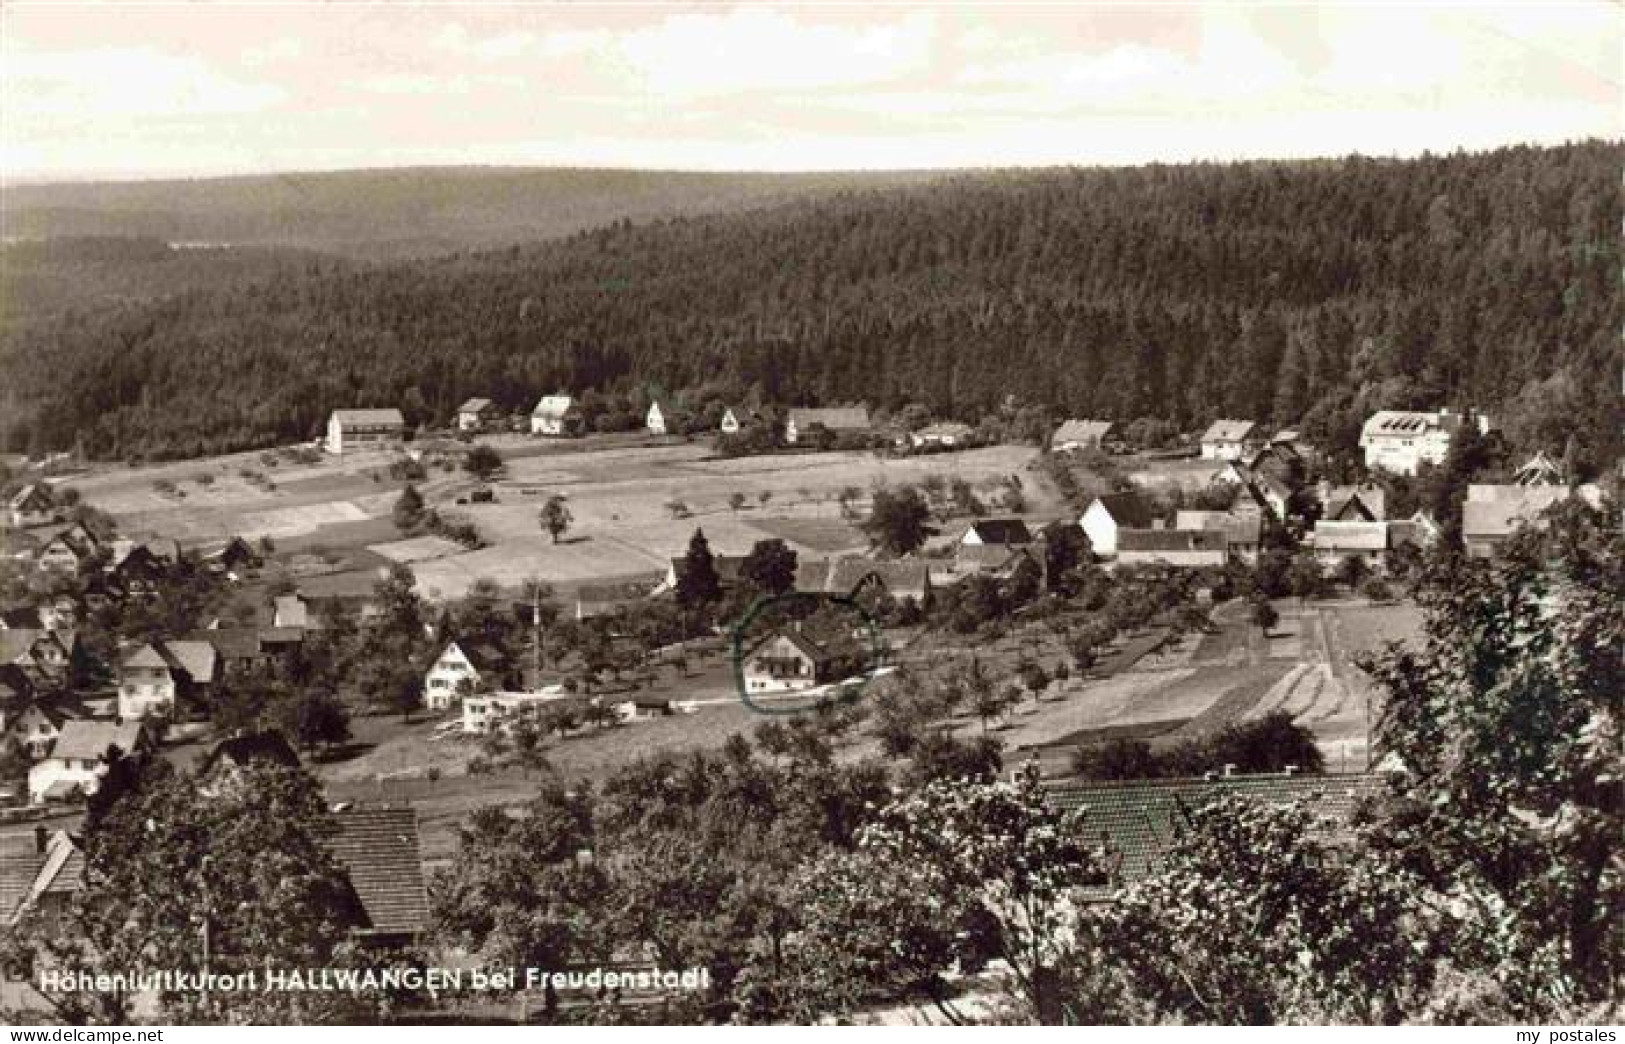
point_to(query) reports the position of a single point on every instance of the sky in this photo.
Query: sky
(195, 89)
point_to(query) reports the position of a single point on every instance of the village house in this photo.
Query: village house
(1334, 542)
(899, 579)
(292, 610)
(33, 505)
(477, 414)
(786, 661)
(485, 711)
(138, 567)
(1181, 548)
(1271, 494)
(69, 549)
(555, 415)
(379, 850)
(655, 419)
(234, 559)
(1231, 440)
(730, 422)
(1364, 503)
(727, 568)
(40, 872)
(81, 756)
(1539, 470)
(1001, 532)
(44, 656)
(1421, 530)
(1108, 514)
(460, 661)
(36, 726)
(155, 679)
(950, 433)
(1085, 434)
(1401, 441)
(1241, 529)
(1492, 513)
(840, 420)
(642, 708)
(351, 431)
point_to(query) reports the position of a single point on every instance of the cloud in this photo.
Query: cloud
(124, 82)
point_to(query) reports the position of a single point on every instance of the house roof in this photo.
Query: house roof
(620, 593)
(32, 494)
(377, 847)
(900, 578)
(370, 416)
(475, 405)
(946, 428)
(18, 642)
(1170, 540)
(232, 643)
(1240, 528)
(25, 617)
(89, 740)
(14, 683)
(28, 871)
(1002, 531)
(1126, 509)
(802, 642)
(553, 406)
(198, 659)
(1138, 820)
(1411, 423)
(1344, 499)
(1083, 431)
(268, 747)
(1229, 431)
(1351, 536)
(1509, 508)
(838, 418)
(727, 567)
(293, 610)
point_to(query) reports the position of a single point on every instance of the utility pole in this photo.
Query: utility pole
(536, 634)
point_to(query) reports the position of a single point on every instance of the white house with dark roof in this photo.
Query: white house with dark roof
(948, 433)
(1232, 440)
(655, 419)
(1401, 441)
(1107, 515)
(787, 661)
(81, 756)
(1336, 541)
(476, 414)
(153, 678)
(1180, 548)
(1492, 513)
(555, 415)
(350, 431)
(33, 505)
(730, 422)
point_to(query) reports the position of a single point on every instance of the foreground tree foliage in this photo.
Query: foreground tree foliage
(187, 876)
(1507, 723)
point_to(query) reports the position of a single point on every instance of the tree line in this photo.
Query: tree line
(1308, 293)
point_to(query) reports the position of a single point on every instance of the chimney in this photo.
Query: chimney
(1292, 770)
(1229, 770)
(1156, 523)
(41, 835)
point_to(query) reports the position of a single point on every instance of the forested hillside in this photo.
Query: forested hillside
(1313, 291)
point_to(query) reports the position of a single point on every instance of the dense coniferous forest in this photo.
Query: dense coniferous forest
(1301, 292)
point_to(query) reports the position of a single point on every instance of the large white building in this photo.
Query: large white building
(1400, 441)
(554, 415)
(351, 430)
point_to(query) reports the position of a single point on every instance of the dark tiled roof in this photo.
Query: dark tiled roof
(377, 847)
(1170, 540)
(1083, 431)
(1002, 531)
(1126, 509)
(20, 863)
(363, 416)
(1139, 819)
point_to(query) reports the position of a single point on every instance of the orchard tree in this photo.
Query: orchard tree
(897, 520)
(408, 510)
(555, 517)
(1264, 614)
(482, 462)
(770, 567)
